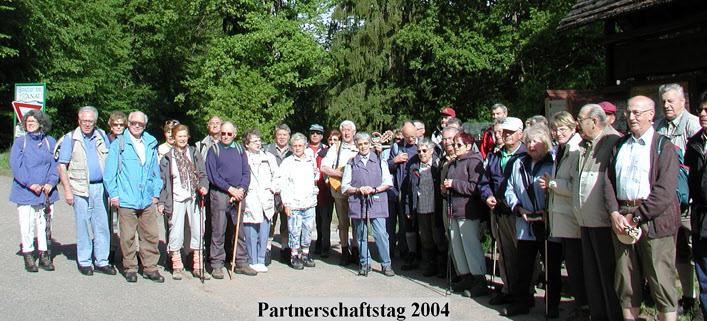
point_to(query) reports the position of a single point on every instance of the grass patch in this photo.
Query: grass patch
(5, 163)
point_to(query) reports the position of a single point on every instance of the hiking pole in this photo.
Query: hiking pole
(48, 228)
(494, 257)
(450, 251)
(235, 238)
(367, 200)
(202, 215)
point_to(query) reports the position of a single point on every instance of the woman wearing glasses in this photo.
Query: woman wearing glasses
(467, 212)
(422, 202)
(116, 124)
(35, 173)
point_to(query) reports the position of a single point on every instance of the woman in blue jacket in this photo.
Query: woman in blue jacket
(34, 186)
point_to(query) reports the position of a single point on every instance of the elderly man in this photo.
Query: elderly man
(610, 111)
(325, 203)
(82, 157)
(420, 127)
(281, 149)
(640, 193)
(333, 166)
(445, 114)
(365, 180)
(599, 138)
(696, 160)
(229, 177)
(132, 178)
(400, 153)
(499, 112)
(214, 136)
(679, 125)
(503, 221)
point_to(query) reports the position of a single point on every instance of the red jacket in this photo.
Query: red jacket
(487, 143)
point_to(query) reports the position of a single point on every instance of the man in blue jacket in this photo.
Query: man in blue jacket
(132, 178)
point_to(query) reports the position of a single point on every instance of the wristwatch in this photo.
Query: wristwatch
(637, 219)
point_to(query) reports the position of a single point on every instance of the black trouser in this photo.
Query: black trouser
(324, 211)
(395, 240)
(503, 228)
(220, 220)
(527, 254)
(599, 267)
(434, 243)
(572, 250)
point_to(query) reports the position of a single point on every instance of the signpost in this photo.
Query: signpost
(28, 96)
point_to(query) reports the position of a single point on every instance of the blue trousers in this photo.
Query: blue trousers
(380, 235)
(300, 225)
(256, 239)
(92, 233)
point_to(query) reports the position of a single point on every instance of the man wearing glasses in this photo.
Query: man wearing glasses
(132, 178)
(229, 177)
(640, 192)
(679, 125)
(324, 209)
(82, 157)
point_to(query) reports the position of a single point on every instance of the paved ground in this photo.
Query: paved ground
(65, 294)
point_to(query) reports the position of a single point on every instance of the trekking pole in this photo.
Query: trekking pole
(367, 200)
(202, 215)
(450, 251)
(546, 218)
(235, 238)
(48, 228)
(494, 257)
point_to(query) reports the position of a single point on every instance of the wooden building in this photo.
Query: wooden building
(648, 43)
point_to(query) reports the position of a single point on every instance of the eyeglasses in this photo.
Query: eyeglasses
(637, 113)
(459, 145)
(136, 124)
(117, 125)
(314, 132)
(423, 151)
(87, 121)
(561, 130)
(227, 134)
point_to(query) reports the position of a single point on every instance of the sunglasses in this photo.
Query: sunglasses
(118, 125)
(315, 133)
(136, 124)
(226, 134)
(459, 145)
(423, 151)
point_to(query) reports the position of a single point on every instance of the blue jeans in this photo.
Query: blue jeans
(300, 225)
(699, 255)
(263, 236)
(256, 240)
(379, 234)
(92, 233)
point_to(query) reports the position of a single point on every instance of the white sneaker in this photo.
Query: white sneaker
(260, 268)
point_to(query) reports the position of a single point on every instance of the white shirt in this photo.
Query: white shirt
(347, 151)
(296, 181)
(633, 165)
(180, 193)
(139, 147)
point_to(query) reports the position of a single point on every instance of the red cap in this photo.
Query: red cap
(449, 111)
(608, 107)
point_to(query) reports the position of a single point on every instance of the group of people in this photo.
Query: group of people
(570, 189)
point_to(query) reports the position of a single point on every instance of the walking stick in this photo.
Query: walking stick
(48, 228)
(202, 212)
(235, 238)
(547, 238)
(366, 200)
(494, 257)
(450, 251)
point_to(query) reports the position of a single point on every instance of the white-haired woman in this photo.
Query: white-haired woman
(260, 200)
(35, 173)
(527, 199)
(298, 172)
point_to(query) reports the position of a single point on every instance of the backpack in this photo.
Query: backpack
(683, 190)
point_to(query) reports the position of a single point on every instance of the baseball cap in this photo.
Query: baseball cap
(316, 127)
(449, 111)
(608, 107)
(512, 123)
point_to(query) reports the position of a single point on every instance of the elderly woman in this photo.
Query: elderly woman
(182, 171)
(259, 201)
(527, 200)
(165, 147)
(116, 124)
(35, 173)
(421, 200)
(563, 223)
(298, 172)
(467, 212)
(365, 181)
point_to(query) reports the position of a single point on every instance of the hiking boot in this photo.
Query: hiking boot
(515, 309)
(285, 255)
(217, 273)
(154, 276)
(246, 270)
(388, 271)
(296, 263)
(307, 261)
(106, 269)
(45, 261)
(29, 263)
(410, 262)
(363, 270)
(468, 281)
(86, 270)
(177, 274)
(197, 274)
(268, 258)
(354, 255)
(478, 289)
(345, 256)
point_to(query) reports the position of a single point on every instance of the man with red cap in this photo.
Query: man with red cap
(446, 113)
(610, 111)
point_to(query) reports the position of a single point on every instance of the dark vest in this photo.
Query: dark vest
(368, 175)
